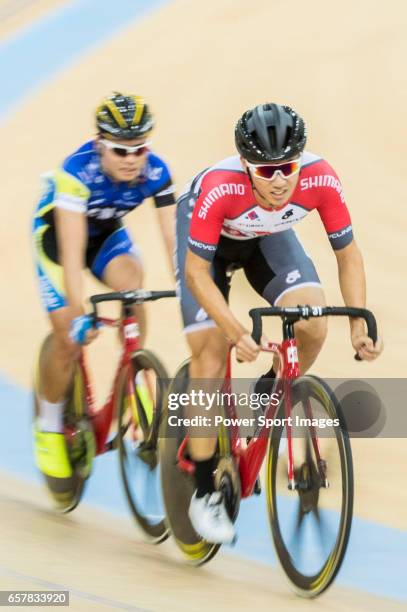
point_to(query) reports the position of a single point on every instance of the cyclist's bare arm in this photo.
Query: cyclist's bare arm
(199, 281)
(352, 282)
(166, 220)
(72, 232)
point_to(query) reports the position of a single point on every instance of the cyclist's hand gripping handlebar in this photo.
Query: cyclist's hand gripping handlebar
(81, 325)
(296, 313)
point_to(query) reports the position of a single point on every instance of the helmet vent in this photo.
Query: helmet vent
(288, 135)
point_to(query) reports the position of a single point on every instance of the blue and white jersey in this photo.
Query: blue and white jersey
(81, 185)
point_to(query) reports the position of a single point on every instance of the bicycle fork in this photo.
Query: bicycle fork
(291, 367)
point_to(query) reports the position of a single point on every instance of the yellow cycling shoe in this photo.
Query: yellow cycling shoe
(51, 454)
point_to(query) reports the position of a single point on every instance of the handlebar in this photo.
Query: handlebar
(295, 313)
(137, 296)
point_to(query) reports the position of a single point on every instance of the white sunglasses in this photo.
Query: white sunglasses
(268, 172)
(124, 150)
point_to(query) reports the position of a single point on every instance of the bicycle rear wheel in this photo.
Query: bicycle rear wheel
(140, 402)
(178, 486)
(67, 492)
(311, 525)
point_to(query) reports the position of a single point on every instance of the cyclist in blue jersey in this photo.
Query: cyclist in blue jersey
(77, 224)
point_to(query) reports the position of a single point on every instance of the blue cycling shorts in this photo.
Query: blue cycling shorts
(101, 249)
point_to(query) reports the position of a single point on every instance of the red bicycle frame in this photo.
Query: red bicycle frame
(101, 419)
(249, 460)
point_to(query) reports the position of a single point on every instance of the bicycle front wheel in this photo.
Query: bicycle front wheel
(311, 524)
(140, 402)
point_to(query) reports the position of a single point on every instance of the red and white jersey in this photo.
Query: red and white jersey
(223, 203)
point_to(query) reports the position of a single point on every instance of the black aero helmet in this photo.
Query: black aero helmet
(124, 116)
(270, 132)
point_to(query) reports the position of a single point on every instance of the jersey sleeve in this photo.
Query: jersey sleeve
(160, 182)
(332, 209)
(207, 220)
(166, 195)
(70, 192)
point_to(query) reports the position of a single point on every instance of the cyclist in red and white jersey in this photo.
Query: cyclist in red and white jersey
(241, 213)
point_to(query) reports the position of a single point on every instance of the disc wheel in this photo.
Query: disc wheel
(66, 493)
(140, 402)
(311, 524)
(178, 486)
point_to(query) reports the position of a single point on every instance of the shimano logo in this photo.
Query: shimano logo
(322, 180)
(218, 192)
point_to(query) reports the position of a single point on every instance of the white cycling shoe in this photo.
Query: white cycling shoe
(210, 519)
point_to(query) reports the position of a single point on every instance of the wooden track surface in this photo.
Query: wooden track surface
(105, 566)
(201, 64)
(15, 14)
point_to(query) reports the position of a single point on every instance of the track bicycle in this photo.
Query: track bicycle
(135, 399)
(309, 476)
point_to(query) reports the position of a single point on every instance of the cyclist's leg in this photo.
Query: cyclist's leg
(207, 510)
(117, 263)
(310, 334)
(57, 360)
(209, 349)
(58, 354)
(206, 341)
(281, 271)
(124, 272)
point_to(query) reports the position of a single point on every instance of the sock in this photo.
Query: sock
(204, 477)
(51, 416)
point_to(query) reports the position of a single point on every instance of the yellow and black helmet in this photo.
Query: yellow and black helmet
(124, 116)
